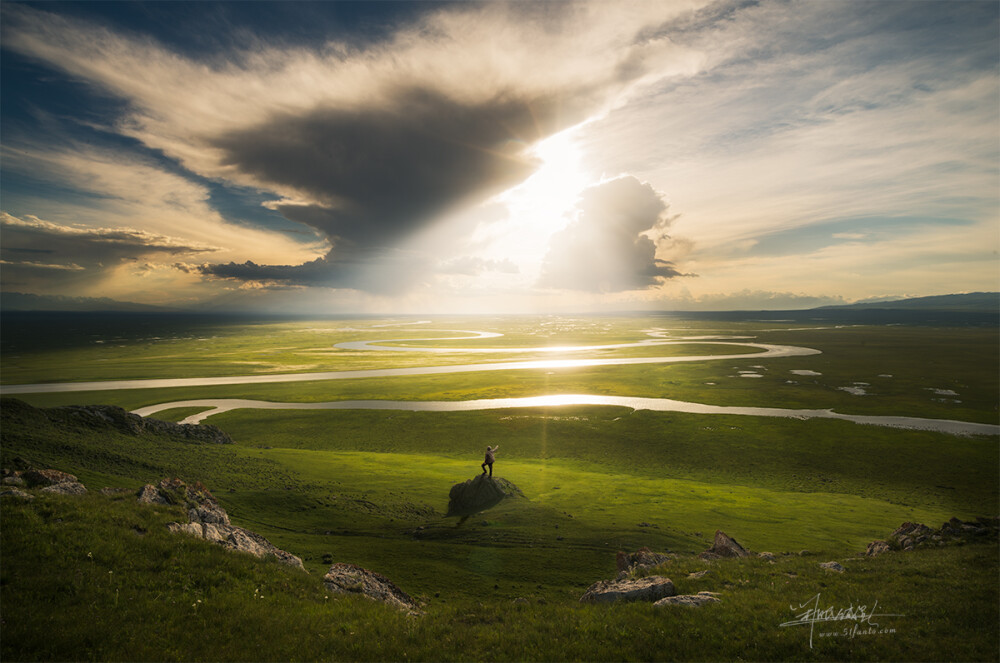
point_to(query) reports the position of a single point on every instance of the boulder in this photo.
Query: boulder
(877, 547)
(478, 494)
(650, 588)
(644, 558)
(66, 488)
(689, 600)
(148, 494)
(36, 478)
(832, 566)
(768, 556)
(351, 579)
(16, 493)
(725, 546)
(12, 478)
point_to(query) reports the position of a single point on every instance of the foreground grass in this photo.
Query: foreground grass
(126, 589)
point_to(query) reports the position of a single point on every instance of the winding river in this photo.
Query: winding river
(216, 406)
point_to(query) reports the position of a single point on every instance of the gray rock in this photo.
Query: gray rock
(13, 479)
(351, 579)
(644, 558)
(148, 494)
(698, 574)
(650, 588)
(208, 512)
(66, 488)
(832, 566)
(16, 493)
(193, 529)
(877, 547)
(689, 600)
(46, 477)
(725, 546)
(478, 494)
(208, 520)
(766, 555)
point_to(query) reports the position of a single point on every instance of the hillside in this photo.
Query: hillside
(969, 302)
(99, 576)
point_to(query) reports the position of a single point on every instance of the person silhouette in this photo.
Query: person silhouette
(490, 459)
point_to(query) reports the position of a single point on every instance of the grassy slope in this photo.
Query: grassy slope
(125, 589)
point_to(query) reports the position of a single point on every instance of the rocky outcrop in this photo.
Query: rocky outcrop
(351, 579)
(910, 536)
(650, 588)
(832, 566)
(106, 418)
(34, 478)
(110, 416)
(53, 481)
(208, 520)
(475, 495)
(724, 546)
(689, 600)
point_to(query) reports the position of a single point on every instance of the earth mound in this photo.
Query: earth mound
(475, 495)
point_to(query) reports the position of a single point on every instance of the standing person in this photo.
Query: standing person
(490, 459)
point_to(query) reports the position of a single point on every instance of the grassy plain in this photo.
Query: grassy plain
(370, 487)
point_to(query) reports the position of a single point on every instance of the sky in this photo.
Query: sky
(490, 157)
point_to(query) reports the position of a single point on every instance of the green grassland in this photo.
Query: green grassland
(371, 488)
(905, 368)
(129, 590)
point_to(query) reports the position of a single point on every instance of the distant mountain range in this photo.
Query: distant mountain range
(20, 301)
(973, 301)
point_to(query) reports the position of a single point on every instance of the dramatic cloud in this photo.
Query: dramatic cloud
(610, 246)
(368, 145)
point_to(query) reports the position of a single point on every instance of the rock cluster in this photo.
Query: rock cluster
(49, 481)
(207, 520)
(724, 546)
(909, 536)
(351, 579)
(475, 495)
(658, 590)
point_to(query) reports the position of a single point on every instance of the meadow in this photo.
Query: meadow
(371, 487)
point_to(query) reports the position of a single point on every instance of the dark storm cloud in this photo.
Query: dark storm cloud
(379, 272)
(607, 248)
(383, 172)
(380, 172)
